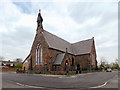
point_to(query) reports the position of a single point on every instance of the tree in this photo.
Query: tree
(18, 61)
(19, 66)
(115, 65)
(104, 62)
(116, 61)
(1, 58)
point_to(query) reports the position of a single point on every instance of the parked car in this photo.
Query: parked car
(108, 70)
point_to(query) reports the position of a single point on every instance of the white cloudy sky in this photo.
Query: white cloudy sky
(72, 21)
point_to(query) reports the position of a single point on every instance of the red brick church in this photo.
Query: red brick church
(52, 54)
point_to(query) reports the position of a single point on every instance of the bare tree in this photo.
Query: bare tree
(116, 61)
(115, 64)
(1, 58)
(103, 62)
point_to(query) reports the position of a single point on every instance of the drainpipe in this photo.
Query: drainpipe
(90, 62)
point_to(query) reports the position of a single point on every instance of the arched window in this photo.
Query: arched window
(38, 54)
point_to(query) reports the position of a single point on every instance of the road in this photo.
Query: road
(81, 81)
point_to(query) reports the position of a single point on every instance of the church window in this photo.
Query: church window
(38, 54)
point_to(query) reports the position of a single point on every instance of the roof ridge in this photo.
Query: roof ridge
(81, 41)
(64, 39)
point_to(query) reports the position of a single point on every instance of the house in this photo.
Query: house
(8, 64)
(50, 53)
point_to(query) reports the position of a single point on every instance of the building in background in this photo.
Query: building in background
(7, 64)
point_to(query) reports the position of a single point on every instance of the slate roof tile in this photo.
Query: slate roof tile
(58, 59)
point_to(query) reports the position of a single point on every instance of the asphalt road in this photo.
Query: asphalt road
(81, 81)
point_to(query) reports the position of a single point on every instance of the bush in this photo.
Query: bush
(105, 68)
(19, 66)
(84, 69)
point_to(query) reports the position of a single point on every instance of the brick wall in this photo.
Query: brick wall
(82, 60)
(7, 69)
(93, 56)
(39, 39)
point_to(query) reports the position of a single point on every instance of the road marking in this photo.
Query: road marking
(20, 84)
(28, 85)
(100, 85)
(33, 86)
(104, 83)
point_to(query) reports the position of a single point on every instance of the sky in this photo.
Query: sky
(72, 21)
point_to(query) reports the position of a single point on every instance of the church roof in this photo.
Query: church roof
(55, 42)
(58, 59)
(82, 47)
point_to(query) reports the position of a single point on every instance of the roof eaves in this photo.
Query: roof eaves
(26, 58)
(82, 54)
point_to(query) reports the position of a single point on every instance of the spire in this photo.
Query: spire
(39, 19)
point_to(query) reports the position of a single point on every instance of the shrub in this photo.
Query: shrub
(19, 66)
(84, 69)
(105, 68)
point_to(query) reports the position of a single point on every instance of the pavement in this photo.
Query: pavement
(58, 82)
(60, 76)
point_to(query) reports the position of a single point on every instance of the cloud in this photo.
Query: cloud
(17, 31)
(24, 6)
(81, 12)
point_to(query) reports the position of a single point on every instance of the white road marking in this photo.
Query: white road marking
(20, 84)
(100, 85)
(103, 84)
(33, 86)
(28, 85)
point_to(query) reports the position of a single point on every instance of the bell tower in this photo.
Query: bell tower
(39, 22)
